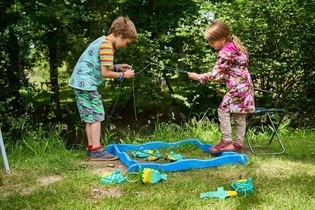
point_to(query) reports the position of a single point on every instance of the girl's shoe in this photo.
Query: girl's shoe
(223, 146)
(238, 147)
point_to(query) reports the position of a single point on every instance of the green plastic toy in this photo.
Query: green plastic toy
(113, 177)
(146, 176)
(243, 186)
(220, 193)
(175, 157)
(142, 153)
(151, 176)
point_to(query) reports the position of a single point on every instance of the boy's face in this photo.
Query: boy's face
(120, 42)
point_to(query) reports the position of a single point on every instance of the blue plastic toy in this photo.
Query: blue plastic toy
(220, 159)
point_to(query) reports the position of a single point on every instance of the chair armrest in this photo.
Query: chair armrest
(261, 90)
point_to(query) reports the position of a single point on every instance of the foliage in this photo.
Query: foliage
(51, 35)
(276, 35)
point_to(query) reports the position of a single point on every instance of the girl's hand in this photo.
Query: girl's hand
(218, 78)
(129, 73)
(193, 76)
(123, 67)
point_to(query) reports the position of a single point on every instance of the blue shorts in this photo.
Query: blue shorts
(90, 105)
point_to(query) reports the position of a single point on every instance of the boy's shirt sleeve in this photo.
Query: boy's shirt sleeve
(106, 53)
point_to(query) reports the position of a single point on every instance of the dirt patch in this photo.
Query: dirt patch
(101, 167)
(98, 193)
(46, 180)
(42, 181)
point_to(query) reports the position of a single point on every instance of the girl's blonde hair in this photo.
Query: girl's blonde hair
(123, 26)
(218, 29)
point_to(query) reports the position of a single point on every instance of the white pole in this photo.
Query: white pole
(4, 154)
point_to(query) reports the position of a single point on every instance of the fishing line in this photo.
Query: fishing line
(168, 68)
(134, 101)
(143, 68)
(119, 90)
(133, 85)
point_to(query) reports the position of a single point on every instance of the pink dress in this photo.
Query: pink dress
(233, 67)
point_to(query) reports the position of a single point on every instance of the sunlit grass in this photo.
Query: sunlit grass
(280, 181)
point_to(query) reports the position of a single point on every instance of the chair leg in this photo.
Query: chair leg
(4, 154)
(274, 133)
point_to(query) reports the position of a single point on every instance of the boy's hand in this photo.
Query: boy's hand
(193, 76)
(123, 67)
(129, 74)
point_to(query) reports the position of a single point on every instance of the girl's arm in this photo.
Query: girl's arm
(215, 75)
(218, 72)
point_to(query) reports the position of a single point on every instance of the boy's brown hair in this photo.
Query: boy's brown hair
(123, 26)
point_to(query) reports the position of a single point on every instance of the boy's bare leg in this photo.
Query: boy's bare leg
(88, 133)
(96, 152)
(94, 134)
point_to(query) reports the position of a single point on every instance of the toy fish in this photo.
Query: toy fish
(152, 158)
(151, 176)
(145, 153)
(174, 157)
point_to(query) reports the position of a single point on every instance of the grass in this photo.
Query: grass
(44, 175)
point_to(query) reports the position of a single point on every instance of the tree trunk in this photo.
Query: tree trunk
(168, 82)
(54, 78)
(14, 70)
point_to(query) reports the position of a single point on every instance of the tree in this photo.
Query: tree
(12, 65)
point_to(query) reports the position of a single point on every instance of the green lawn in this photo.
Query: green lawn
(44, 175)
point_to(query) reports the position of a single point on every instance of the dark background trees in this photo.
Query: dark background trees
(48, 37)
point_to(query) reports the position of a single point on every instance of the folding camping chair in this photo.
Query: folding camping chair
(4, 154)
(269, 118)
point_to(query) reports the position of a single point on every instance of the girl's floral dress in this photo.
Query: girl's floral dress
(232, 66)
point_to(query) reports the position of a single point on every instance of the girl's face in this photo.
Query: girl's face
(120, 42)
(217, 44)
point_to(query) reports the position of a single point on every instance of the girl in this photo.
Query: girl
(231, 65)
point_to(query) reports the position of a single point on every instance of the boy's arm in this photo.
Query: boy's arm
(107, 73)
(120, 67)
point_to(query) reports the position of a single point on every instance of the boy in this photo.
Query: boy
(95, 64)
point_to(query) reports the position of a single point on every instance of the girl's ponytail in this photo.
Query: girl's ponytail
(218, 29)
(238, 44)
